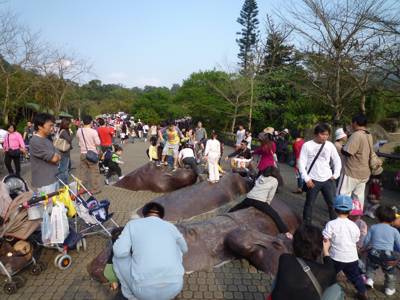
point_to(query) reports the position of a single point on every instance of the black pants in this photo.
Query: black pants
(191, 161)
(17, 163)
(353, 274)
(265, 208)
(327, 189)
(113, 168)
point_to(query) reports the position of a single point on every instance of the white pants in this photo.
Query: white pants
(213, 173)
(351, 186)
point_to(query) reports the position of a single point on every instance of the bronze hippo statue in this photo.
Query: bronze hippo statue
(200, 198)
(149, 177)
(214, 241)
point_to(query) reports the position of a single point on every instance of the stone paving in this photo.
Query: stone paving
(234, 280)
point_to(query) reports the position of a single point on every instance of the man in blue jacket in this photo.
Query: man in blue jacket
(148, 257)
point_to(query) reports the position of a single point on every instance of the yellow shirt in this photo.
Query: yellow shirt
(173, 137)
(153, 153)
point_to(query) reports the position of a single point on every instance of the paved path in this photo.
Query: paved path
(235, 280)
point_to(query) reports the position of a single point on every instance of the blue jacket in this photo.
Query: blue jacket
(155, 248)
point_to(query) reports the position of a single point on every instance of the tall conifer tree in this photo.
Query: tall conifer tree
(248, 35)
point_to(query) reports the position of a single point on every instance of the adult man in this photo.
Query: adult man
(200, 136)
(315, 169)
(44, 158)
(89, 141)
(173, 136)
(357, 153)
(240, 136)
(106, 134)
(148, 257)
(28, 132)
(243, 151)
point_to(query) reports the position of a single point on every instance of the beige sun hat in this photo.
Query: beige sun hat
(269, 130)
(339, 134)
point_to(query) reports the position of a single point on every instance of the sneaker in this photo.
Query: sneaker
(120, 177)
(106, 181)
(369, 283)
(390, 292)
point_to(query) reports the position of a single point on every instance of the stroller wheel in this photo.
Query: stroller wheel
(10, 288)
(19, 281)
(63, 261)
(38, 268)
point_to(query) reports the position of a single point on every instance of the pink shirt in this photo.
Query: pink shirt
(267, 156)
(13, 141)
(91, 137)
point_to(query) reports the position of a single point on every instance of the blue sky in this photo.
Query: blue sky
(137, 43)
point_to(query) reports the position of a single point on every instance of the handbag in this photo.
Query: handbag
(305, 188)
(375, 163)
(333, 292)
(61, 144)
(91, 156)
(13, 153)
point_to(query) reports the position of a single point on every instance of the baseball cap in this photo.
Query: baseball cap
(339, 134)
(357, 208)
(343, 202)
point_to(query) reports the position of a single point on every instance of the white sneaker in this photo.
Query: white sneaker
(121, 177)
(106, 181)
(390, 292)
(369, 283)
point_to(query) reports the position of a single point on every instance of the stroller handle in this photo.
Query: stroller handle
(38, 198)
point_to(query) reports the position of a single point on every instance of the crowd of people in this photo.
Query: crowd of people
(340, 171)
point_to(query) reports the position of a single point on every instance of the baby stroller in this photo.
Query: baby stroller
(93, 214)
(16, 253)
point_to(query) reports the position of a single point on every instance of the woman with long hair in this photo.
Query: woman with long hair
(65, 162)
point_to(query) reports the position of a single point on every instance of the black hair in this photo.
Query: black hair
(360, 120)
(273, 172)
(342, 212)
(244, 142)
(87, 120)
(213, 134)
(307, 242)
(385, 214)
(153, 140)
(117, 148)
(115, 233)
(153, 207)
(41, 118)
(321, 128)
(101, 121)
(11, 125)
(297, 134)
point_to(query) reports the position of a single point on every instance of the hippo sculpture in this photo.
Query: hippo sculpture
(149, 177)
(200, 198)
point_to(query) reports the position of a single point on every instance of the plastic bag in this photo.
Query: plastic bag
(59, 224)
(46, 227)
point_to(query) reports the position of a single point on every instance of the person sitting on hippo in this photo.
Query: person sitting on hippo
(261, 196)
(241, 160)
(186, 157)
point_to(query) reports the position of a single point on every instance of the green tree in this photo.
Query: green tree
(248, 36)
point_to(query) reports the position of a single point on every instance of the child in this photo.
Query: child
(113, 165)
(109, 270)
(374, 195)
(381, 240)
(355, 216)
(152, 152)
(212, 154)
(344, 235)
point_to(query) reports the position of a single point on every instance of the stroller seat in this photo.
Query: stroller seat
(15, 185)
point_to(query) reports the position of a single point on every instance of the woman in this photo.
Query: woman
(291, 280)
(297, 144)
(13, 146)
(266, 151)
(65, 161)
(212, 155)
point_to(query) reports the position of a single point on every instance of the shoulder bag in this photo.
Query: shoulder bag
(375, 163)
(13, 153)
(61, 144)
(305, 188)
(91, 156)
(333, 292)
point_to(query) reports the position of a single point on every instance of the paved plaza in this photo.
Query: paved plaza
(235, 280)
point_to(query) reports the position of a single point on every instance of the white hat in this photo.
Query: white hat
(286, 131)
(339, 134)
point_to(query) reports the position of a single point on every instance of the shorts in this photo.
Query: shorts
(170, 149)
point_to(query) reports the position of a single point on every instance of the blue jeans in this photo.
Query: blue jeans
(63, 168)
(381, 259)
